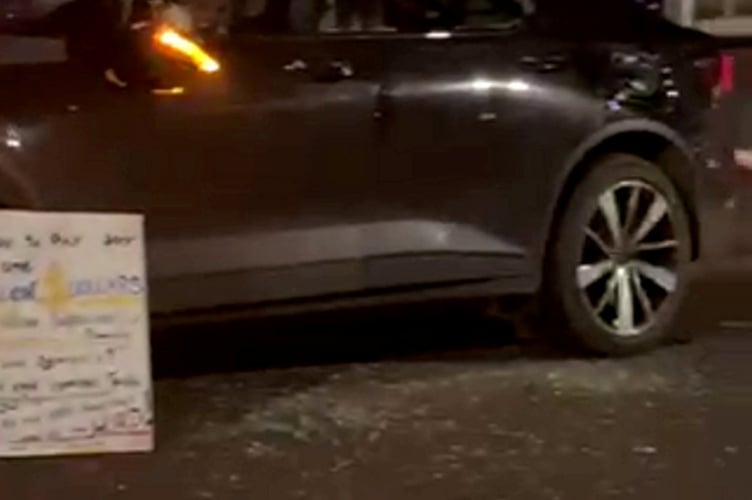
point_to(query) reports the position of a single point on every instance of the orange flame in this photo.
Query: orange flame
(187, 48)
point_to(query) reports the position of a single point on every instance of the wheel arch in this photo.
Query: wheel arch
(647, 139)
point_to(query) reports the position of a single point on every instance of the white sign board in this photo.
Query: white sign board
(74, 347)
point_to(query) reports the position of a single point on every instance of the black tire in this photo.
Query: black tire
(571, 307)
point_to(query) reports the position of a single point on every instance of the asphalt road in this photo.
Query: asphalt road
(430, 403)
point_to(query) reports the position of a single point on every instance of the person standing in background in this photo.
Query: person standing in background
(103, 35)
(177, 15)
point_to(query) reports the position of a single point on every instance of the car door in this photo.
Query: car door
(233, 170)
(286, 141)
(246, 202)
(477, 121)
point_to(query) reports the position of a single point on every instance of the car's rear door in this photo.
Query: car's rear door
(237, 172)
(266, 185)
(477, 121)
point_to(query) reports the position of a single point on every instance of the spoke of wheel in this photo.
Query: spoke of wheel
(598, 241)
(634, 198)
(664, 278)
(658, 209)
(625, 302)
(657, 245)
(642, 296)
(610, 210)
(608, 295)
(587, 274)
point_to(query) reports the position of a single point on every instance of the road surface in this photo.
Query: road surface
(432, 404)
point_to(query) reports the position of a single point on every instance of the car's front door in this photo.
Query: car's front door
(477, 120)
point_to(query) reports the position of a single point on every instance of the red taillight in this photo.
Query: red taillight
(717, 75)
(726, 75)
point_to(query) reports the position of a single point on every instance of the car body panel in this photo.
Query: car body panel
(435, 160)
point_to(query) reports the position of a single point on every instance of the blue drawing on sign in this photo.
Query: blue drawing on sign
(19, 293)
(122, 285)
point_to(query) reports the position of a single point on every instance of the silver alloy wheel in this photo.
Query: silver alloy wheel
(627, 268)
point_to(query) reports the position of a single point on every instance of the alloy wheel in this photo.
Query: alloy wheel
(628, 264)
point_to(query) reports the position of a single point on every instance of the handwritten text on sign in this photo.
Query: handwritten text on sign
(74, 356)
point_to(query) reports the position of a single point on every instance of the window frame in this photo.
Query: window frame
(430, 34)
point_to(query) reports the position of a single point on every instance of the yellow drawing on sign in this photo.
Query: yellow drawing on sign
(56, 293)
(54, 286)
(109, 301)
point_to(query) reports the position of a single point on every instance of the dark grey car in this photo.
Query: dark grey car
(474, 148)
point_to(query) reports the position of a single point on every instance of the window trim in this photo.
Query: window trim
(443, 34)
(434, 35)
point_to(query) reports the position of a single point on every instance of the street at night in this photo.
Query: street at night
(277, 249)
(409, 402)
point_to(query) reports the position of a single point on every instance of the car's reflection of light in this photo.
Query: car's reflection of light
(12, 138)
(476, 85)
(171, 91)
(438, 35)
(514, 85)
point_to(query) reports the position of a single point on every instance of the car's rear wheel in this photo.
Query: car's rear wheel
(617, 268)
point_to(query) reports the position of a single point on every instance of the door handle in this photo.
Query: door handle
(335, 71)
(544, 64)
(295, 66)
(329, 71)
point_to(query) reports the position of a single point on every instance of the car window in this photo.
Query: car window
(311, 17)
(426, 15)
(491, 14)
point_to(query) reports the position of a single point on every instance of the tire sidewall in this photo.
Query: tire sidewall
(591, 333)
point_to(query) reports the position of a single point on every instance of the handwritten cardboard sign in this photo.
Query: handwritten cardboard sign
(74, 348)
